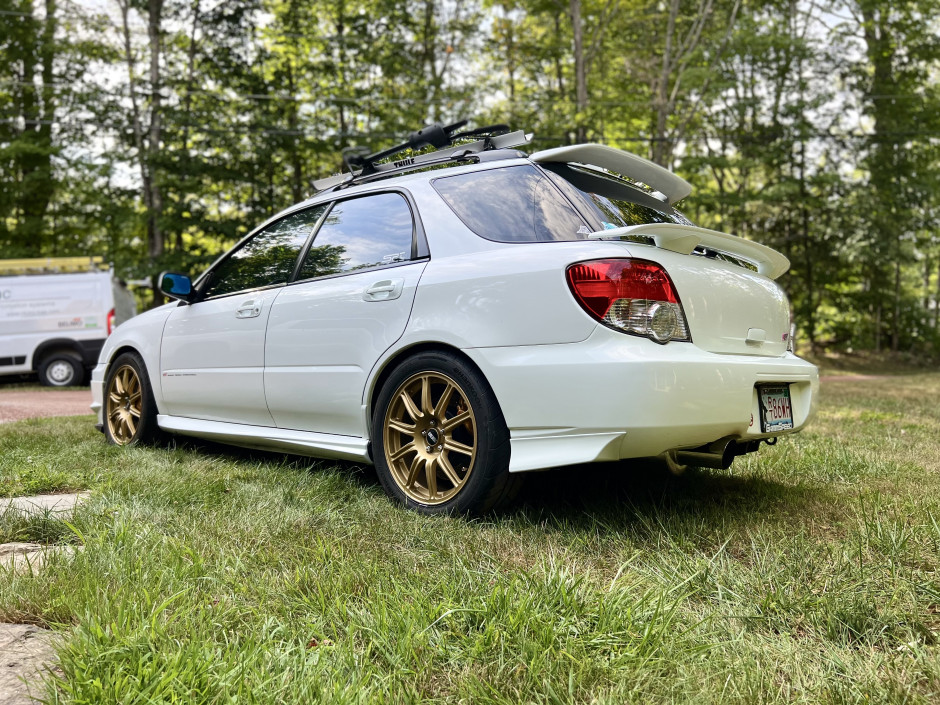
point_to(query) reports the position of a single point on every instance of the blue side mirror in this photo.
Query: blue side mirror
(176, 286)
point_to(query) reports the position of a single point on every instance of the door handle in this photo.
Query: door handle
(385, 290)
(248, 309)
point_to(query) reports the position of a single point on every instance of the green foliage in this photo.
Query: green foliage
(807, 128)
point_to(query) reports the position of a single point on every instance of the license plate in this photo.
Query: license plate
(776, 412)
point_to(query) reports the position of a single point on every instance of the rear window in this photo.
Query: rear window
(527, 204)
(511, 204)
(608, 202)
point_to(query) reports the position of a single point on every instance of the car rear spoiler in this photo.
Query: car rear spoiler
(673, 187)
(685, 238)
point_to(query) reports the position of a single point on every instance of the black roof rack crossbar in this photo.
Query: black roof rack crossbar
(503, 140)
(435, 135)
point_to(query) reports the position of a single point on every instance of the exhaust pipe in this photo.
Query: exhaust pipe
(718, 455)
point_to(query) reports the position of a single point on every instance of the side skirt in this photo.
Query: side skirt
(318, 445)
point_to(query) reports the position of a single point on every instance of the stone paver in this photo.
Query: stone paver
(59, 506)
(30, 404)
(26, 652)
(29, 557)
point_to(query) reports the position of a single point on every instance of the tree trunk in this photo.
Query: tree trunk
(936, 303)
(34, 164)
(154, 233)
(187, 103)
(293, 125)
(883, 163)
(580, 74)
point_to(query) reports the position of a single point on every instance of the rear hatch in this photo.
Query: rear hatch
(729, 308)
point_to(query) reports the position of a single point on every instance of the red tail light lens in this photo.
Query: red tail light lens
(110, 321)
(631, 295)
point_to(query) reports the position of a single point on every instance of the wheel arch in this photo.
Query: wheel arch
(124, 349)
(153, 375)
(399, 356)
(53, 346)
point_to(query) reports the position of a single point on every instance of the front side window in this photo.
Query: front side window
(361, 233)
(268, 258)
(511, 204)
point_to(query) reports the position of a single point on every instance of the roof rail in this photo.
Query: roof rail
(51, 265)
(365, 167)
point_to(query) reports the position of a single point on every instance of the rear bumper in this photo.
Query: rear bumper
(616, 396)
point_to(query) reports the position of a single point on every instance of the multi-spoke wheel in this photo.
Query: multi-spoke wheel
(441, 444)
(130, 415)
(430, 431)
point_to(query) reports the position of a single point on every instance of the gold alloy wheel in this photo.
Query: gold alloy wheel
(430, 436)
(123, 405)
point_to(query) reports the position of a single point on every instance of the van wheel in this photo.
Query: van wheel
(130, 413)
(441, 443)
(61, 370)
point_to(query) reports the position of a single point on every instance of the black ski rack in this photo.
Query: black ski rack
(366, 167)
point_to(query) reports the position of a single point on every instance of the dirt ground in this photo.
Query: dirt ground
(17, 404)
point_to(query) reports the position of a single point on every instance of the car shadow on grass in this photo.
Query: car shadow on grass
(621, 492)
(615, 494)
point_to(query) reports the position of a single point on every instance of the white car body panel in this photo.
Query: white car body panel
(485, 300)
(301, 376)
(324, 339)
(615, 397)
(217, 345)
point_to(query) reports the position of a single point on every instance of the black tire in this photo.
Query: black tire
(122, 426)
(483, 479)
(61, 369)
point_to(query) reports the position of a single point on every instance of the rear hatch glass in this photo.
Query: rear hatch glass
(609, 202)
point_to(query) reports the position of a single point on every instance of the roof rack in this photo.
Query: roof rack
(51, 265)
(366, 167)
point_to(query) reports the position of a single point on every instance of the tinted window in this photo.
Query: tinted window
(609, 202)
(268, 258)
(512, 204)
(360, 233)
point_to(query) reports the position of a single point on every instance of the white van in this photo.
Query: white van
(55, 314)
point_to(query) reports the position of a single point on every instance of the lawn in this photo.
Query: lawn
(807, 573)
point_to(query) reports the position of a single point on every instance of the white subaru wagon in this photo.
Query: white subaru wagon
(469, 314)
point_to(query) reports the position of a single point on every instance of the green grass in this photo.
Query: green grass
(807, 573)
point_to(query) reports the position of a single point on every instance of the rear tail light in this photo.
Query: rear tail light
(110, 321)
(630, 295)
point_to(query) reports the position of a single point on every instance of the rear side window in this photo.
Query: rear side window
(268, 258)
(511, 204)
(361, 233)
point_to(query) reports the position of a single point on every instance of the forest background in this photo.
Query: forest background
(157, 132)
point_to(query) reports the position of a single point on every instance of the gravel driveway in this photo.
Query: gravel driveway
(19, 404)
